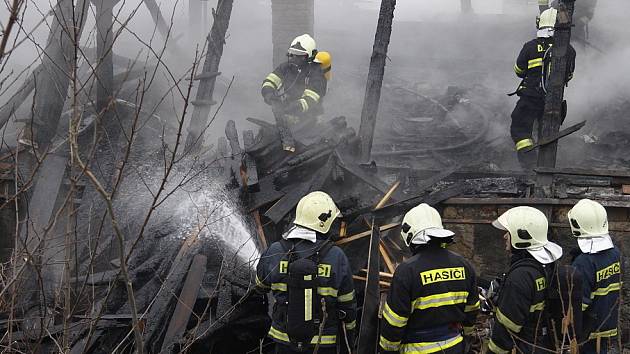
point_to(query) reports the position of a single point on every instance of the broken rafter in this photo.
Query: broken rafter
(561, 134)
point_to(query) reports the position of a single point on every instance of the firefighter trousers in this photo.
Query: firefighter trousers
(285, 349)
(527, 111)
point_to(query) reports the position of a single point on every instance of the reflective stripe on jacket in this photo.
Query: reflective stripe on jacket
(432, 298)
(601, 286)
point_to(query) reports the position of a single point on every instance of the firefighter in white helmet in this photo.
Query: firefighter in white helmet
(533, 66)
(297, 86)
(303, 270)
(599, 262)
(521, 299)
(433, 299)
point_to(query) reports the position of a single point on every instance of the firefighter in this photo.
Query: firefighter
(297, 86)
(519, 318)
(599, 263)
(433, 299)
(533, 67)
(584, 11)
(311, 282)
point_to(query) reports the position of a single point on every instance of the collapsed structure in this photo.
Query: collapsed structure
(194, 292)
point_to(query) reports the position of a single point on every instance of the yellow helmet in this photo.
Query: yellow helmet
(325, 61)
(316, 211)
(303, 45)
(420, 224)
(547, 18)
(588, 219)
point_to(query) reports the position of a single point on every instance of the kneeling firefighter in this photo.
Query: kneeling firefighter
(311, 281)
(433, 299)
(297, 86)
(521, 311)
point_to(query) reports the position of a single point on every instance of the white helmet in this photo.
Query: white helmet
(303, 45)
(547, 18)
(528, 230)
(588, 219)
(316, 211)
(420, 224)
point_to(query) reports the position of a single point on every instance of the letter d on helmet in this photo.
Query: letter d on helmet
(316, 211)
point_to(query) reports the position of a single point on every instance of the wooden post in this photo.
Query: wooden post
(375, 77)
(104, 49)
(550, 125)
(207, 79)
(53, 81)
(368, 332)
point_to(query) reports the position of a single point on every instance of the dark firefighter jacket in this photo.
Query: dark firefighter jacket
(335, 286)
(601, 273)
(432, 295)
(532, 65)
(305, 84)
(519, 312)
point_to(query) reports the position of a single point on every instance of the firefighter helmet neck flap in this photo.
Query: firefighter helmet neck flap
(422, 223)
(316, 211)
(589, 224)
(528, 228)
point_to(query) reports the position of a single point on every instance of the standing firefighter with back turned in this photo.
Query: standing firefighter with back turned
(433, 299)
(599, 262)
(521, 309)
(297, 86)
(533, 65)
(311, 281)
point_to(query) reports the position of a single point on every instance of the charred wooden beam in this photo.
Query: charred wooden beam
(552, 119)
(19, 97)
(249, 164)
(375, 77)
(205, 91)
(104, 49)
(561, 134)
(290, 200)
(583, 172)
(286, 136)
(401, 207)
(530, 201)
(185, 303)
(368, 332)
(364, 234)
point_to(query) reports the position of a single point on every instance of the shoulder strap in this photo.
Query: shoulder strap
(321, 250)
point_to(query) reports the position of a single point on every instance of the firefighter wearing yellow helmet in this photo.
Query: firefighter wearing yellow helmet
(304, 269)
(433, 300)
(521, 302)
(297, 87)
(533, 66)
(599, 262)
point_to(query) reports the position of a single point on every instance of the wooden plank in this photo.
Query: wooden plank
(354, 169)
(375, 79)
(385, 275)
(290, 200)
(386, 257)
(528, 201)
(625, 189)
(400, 208)
(368, 332)
(185, 303)
(249, 164)
(260, 232)
(286, 137)
(381, 203)
(561, 134)
(365, 234)
(380, 282)
(583, 172)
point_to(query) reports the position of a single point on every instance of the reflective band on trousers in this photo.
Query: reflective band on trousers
(437, 300)
(430, 347)
(534, 63)
(610, 333)
(524, 143)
